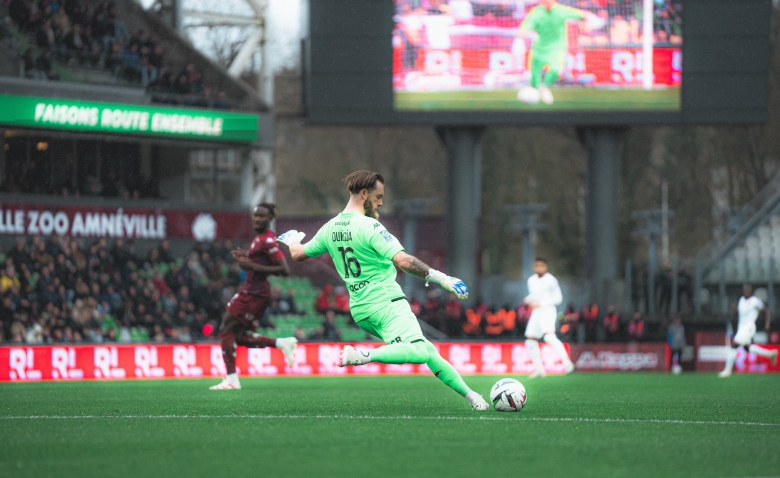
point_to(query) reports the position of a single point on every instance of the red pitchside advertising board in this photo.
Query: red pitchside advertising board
(711, 351)
(129, 222)
(621, 357)
(121, 362)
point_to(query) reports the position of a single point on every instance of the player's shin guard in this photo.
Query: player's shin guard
(444, 371)
(536, 355)
(760, 351)
(731, 357)
(228, 342)
(557, 345)
(255, 341)
(414, 352)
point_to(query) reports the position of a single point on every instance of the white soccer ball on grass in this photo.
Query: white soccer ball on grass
(508, 395)
(529, 95)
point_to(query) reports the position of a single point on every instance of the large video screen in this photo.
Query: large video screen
(537, 55)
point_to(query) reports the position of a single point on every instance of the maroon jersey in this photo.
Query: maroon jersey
(263, 251)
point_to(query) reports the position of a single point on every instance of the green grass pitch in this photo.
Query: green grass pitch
(566, 99)
(580, 425)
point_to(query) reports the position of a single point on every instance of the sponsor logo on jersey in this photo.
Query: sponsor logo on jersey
(341, 236)
(388, 237)
(342, 223)
(358, 286)
(273, 249)
(270, 240)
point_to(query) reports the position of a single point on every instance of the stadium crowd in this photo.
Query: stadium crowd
(584, 325)
(61, 290)
(77, 33)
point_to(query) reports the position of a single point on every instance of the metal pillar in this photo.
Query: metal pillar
(464, 158)
(652, 270)
(724, 303)
(628, 286)
(651, 225)
(697, 283)
(601, 145)
(673, 306)
(410, 210)
(770, 286)
(525, 218)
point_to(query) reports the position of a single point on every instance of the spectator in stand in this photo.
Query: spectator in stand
(432, 309)
(676, 338)
(611, 324)
(182, 86)
(330, 331)
(341, 301)
(494, 322)
(45, 37)
(156, 57)
(131, 63)
(19, 13)
(76, 44)
(29, 65)
(523, 315)
(221, 102)
(509, 320)
(324, 300)
(287, 303)
(453, 316)
(416, 306)
(473, 324)
(148, 72)
(636, 328)
(590, 316)
(44, 66)
(569, 323)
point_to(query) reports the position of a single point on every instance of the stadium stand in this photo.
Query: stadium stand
(107, 43)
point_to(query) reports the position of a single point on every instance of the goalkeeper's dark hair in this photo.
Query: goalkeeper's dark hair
(360, 180)
(541, 259)
(271, 208)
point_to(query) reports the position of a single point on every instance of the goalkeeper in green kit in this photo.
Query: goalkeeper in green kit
(545, 24)
(366, 255)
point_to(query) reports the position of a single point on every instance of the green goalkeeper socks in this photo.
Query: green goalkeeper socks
(444, 371)
(400, 353)
(421, 352)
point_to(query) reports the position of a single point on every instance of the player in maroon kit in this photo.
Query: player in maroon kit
(263, 259)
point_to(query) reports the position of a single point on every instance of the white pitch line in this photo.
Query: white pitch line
(399, 417)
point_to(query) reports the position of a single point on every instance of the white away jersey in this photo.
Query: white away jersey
(544, 290)
(748, 310)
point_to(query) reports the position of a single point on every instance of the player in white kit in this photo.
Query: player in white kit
(544, 294)
(748, 308)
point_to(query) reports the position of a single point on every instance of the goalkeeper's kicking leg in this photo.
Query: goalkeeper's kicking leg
(398, 327)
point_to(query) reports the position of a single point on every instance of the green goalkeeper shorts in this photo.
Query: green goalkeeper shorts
(393, 324)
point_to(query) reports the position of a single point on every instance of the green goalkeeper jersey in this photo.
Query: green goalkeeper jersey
(551, 27)
(362, 251)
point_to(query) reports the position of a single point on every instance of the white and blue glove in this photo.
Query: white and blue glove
(452, 284)
(290, 237)
(595, 22)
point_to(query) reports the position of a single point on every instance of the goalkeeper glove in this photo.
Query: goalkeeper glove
(452, 284)
(290, 237)
(595, 22)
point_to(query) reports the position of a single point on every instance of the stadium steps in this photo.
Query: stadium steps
(747, 252)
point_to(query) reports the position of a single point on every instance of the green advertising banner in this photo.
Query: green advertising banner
(141, 120)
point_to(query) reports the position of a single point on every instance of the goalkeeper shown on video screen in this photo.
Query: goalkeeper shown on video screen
(545, 24)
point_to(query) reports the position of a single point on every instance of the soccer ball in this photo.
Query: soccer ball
(529, 95)
(508, 395)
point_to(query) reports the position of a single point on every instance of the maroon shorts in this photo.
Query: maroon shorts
(247, 308)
